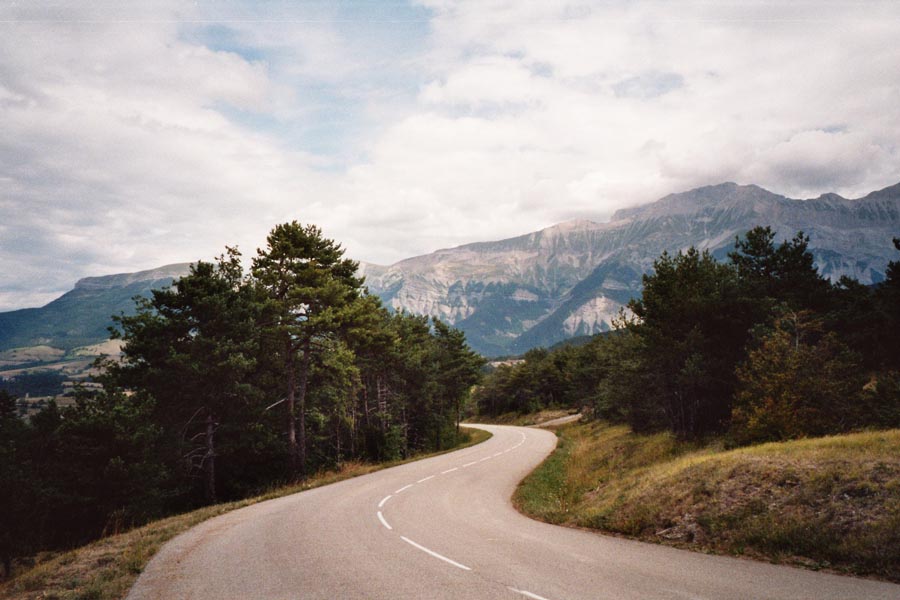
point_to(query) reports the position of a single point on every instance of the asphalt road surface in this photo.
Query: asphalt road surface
(444, 528)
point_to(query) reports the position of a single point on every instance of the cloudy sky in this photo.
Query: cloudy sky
(136, 135)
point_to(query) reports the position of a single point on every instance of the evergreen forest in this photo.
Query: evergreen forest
(754, 349)
(233, 381)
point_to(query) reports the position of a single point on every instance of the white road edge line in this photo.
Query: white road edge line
(524, 593)
(405, 487)
(424, 479)
(486, 458)
(385, 499)
(469, 464)
(449, 470)
(383, 522)
(498, 454)
(435, 554)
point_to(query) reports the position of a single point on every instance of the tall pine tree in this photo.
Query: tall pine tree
(311, 289)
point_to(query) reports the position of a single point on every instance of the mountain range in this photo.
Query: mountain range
(571, 279)
(540, 288)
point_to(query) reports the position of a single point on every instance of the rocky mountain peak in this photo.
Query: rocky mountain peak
(573, 225)
(889, 193)
(730, 196)
(829, 197)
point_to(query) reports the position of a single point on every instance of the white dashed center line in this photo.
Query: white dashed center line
(435, 554)
(528, 594)
(450, 561)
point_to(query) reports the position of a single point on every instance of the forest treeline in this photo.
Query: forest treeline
(232, 382)
(757, 348)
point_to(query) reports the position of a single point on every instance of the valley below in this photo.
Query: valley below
(38, 374)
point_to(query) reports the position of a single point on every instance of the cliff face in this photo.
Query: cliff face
(572, 278)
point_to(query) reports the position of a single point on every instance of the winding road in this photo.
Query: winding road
(444, 528)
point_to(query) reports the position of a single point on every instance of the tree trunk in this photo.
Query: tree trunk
(354, 425)
(382, 391)
(337, 435)
(301, 400)
(365, 396)
(291, 420)
(210, 461)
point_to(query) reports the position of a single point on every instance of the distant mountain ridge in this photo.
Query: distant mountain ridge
(572, 278)
(120, 280)
(81, 317)
(543, 287)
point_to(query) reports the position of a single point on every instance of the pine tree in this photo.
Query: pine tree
(693, 325)
(782, 274)
(311, 289)
(192, 348)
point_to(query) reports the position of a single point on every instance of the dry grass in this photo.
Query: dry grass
(829, 502)
(106, 569)
(32, 354)
(525, 420)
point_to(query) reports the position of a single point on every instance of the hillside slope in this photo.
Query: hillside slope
(831, 502)
(81, 317)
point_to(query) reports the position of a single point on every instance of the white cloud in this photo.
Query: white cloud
(536, 112)
(810, 160)
(114, 156)
(496, 82)
(140, 134)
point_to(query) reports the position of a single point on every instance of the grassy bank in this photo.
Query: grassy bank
(107, 568)
(830, 502)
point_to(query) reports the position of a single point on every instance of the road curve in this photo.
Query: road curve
(444, 528)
